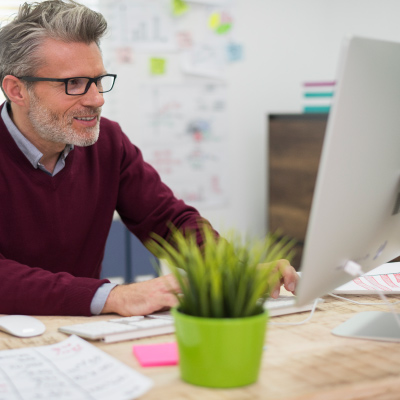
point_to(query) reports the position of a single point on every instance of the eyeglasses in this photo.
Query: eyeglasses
(80, 84)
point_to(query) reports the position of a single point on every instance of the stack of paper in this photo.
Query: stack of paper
(70, 370)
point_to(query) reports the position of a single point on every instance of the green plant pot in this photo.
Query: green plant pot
(220, 352)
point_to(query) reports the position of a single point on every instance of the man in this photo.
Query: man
(64, 171)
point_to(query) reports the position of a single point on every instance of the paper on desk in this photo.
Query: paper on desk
(70, 370)
(385, 277)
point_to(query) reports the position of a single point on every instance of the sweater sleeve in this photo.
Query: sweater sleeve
(146, 204)
(35, 291)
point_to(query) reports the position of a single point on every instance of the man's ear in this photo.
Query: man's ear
(15, 90)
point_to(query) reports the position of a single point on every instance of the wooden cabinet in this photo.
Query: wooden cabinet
(295, 144)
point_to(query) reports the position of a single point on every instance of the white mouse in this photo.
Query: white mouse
(21, 325)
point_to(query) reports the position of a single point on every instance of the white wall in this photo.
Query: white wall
(286, 42)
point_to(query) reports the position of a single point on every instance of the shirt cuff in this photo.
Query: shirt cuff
(100, 297)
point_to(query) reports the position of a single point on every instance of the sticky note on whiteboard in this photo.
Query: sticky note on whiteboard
(179, 7)
(158, 66)
(234, 52)
(154, 355)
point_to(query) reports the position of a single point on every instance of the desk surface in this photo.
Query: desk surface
(300, 362)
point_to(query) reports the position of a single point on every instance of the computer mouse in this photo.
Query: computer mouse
(21, 325)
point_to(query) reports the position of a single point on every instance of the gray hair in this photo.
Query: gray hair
(67, 21)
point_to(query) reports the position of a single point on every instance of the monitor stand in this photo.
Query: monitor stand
(373, 325)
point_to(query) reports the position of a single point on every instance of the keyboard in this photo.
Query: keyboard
(126, 328)
(284, 305)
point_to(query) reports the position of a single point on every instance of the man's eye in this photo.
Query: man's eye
(73, 82)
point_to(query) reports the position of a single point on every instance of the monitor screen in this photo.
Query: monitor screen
(355, 213)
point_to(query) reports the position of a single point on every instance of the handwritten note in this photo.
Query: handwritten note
(183, 135)
(69, 370)
(205, 59)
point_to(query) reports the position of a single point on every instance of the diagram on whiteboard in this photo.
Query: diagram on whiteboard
(183, 136)
(144, 25)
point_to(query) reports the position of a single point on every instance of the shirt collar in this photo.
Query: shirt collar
(29, 150)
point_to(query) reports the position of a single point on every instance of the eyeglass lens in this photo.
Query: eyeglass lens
(78, 85)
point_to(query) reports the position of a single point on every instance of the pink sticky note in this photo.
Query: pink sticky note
(153, 355)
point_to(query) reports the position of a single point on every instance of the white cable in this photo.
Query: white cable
(316, 301)
(355, 270)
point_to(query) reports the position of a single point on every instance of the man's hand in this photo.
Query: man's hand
(158, 294)
(289, 278)
(143, 298)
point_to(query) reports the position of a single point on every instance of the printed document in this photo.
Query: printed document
(385, 278)
(70, 370)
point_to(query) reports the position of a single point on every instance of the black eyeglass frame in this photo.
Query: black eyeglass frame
(91, 80)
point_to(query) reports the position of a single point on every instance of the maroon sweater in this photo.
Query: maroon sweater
(53, 230)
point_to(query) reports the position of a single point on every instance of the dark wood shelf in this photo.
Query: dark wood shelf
(295, 143)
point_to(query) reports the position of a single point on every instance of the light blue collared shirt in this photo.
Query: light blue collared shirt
(34, 156)
(30, 151)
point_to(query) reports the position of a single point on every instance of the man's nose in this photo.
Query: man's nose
(92, 97)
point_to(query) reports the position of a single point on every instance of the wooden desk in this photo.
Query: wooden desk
(304, 362)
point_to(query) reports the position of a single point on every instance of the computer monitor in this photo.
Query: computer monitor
(355, 213)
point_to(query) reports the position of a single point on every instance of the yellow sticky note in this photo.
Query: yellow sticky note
(179, 7)
(158, 66)
(214, 20)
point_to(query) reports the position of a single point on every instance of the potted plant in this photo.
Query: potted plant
(220, 319)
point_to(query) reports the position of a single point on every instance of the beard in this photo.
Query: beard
(57, 128)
